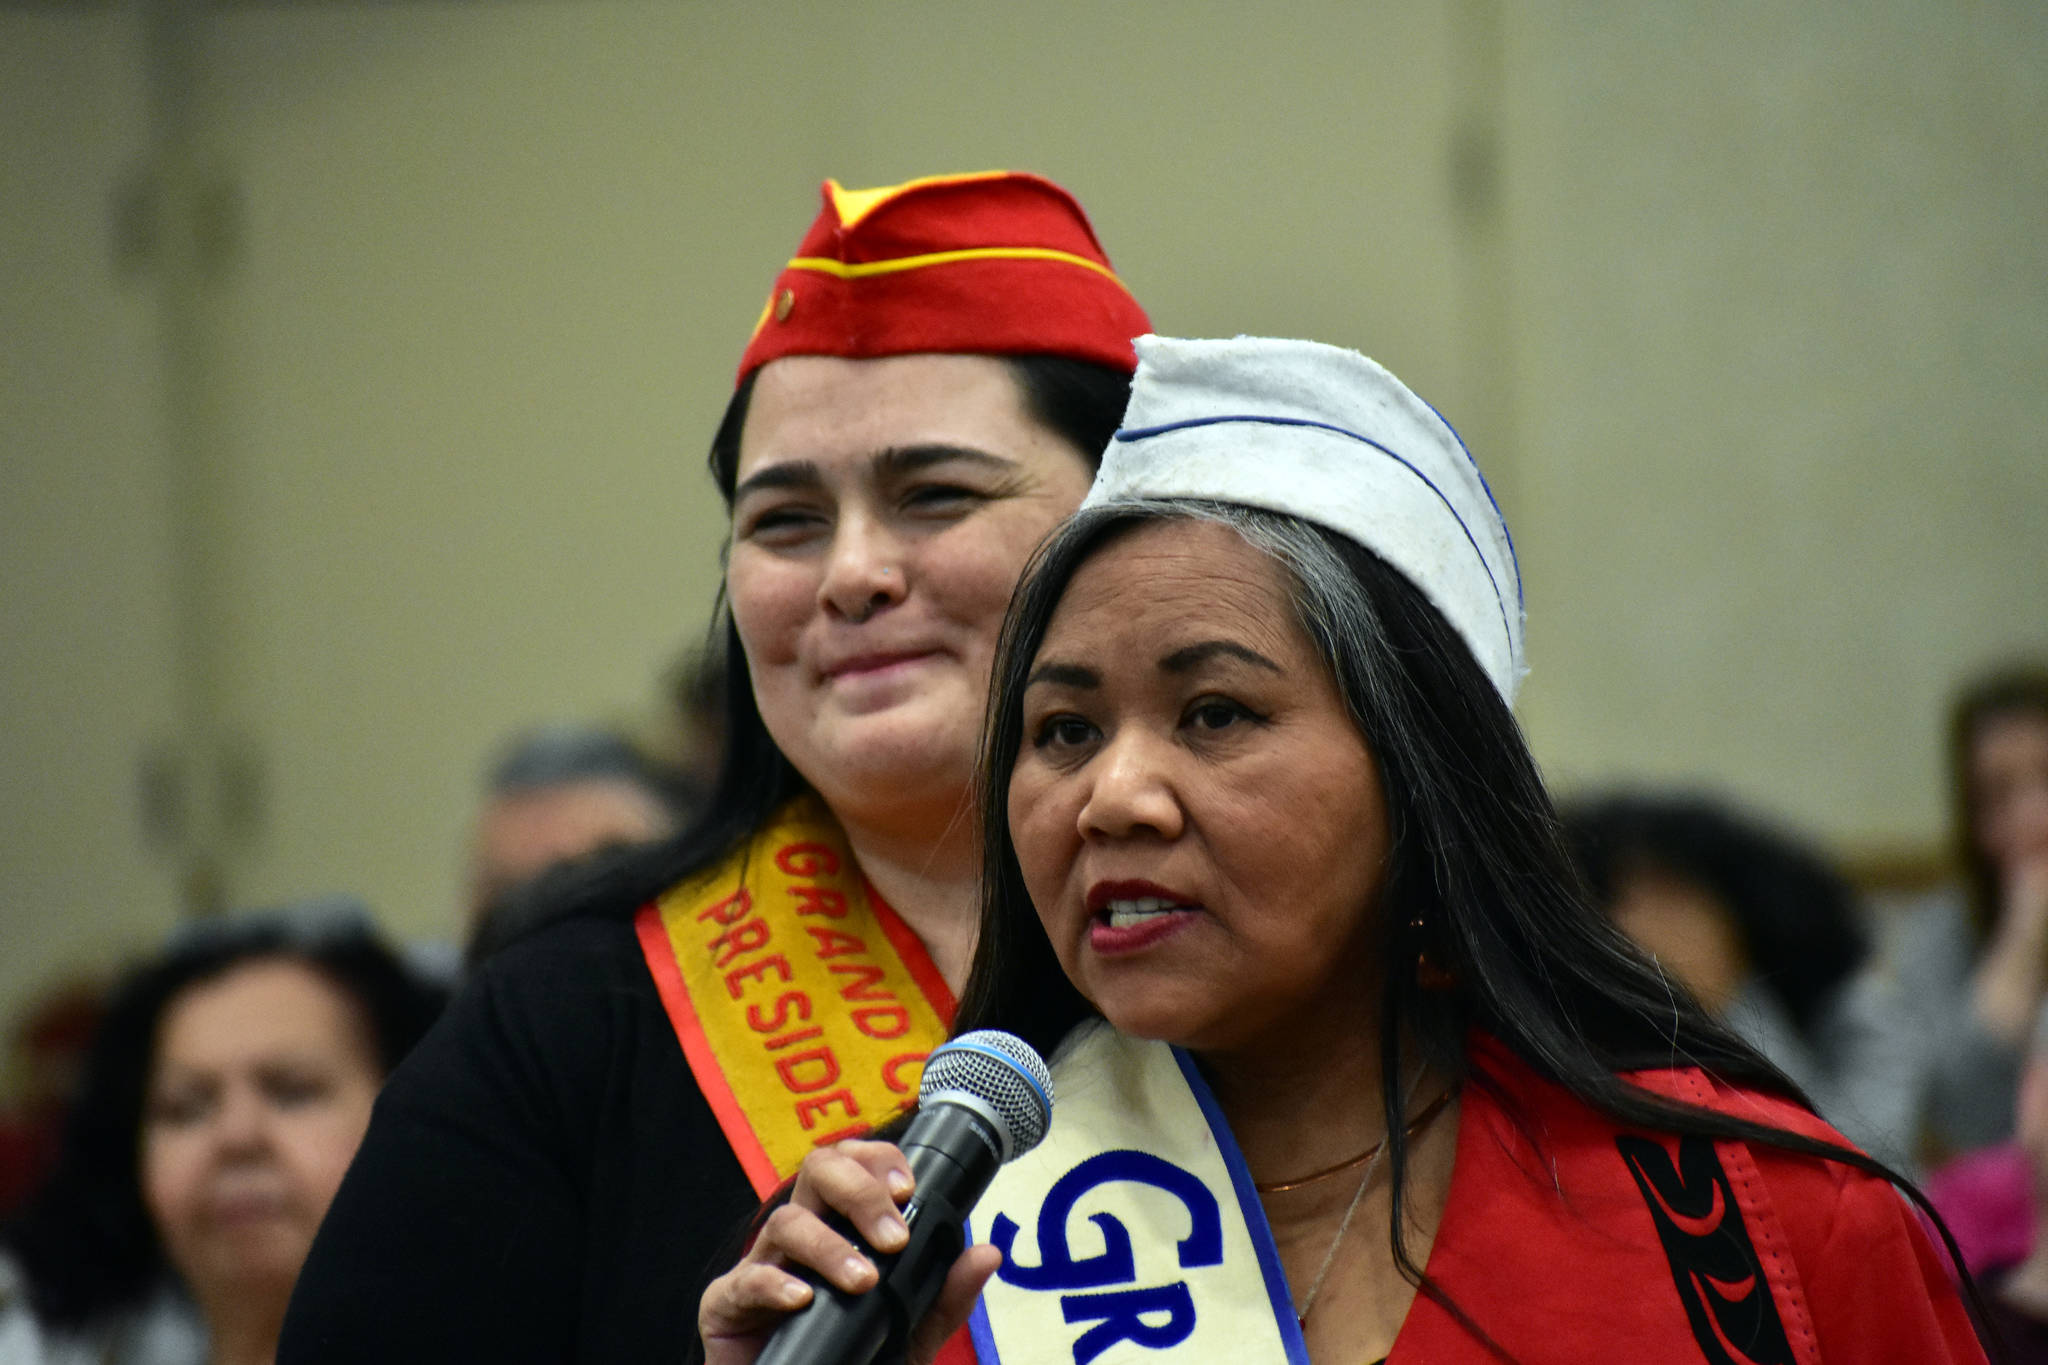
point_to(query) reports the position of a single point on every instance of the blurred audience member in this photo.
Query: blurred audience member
(696, 692)
(1994, 1201)
(1986, 1198)
(224, 1095)
(561, 793)
(1976, 963)
(1766, 935)
(48, 1047)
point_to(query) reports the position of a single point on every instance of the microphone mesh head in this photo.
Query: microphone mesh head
(1001, 1071)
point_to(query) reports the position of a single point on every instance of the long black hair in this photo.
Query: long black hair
(1077, 400)
(85, 1240)
(1476, 859)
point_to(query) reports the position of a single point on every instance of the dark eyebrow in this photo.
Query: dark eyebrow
(893, 462)
(1073, 675)
(789, 474)
(896, 461)
(1190, 657)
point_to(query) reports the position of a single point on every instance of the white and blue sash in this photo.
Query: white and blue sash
(1132, 1233)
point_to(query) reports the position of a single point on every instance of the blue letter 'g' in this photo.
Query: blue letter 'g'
(1057, 1268)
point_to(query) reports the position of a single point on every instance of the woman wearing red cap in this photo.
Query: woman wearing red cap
(925, 396)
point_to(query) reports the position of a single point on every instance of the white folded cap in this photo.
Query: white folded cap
(1327, 435)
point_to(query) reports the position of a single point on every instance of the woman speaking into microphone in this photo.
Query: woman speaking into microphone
(1349, 1069)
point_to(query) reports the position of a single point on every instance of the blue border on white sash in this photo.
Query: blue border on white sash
(977, 1323)
(1254, 1212)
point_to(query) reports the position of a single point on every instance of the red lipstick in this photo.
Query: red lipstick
(1114, 940)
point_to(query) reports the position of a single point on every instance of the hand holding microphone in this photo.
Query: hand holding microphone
(865, 1269)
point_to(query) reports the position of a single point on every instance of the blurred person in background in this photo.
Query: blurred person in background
(1975, 962)
(696, 697)
(224, 1095)
(1767, 936)
(565, 791)
(1993, 1201)
(926, 394)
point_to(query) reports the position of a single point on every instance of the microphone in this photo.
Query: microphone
(986, 1097)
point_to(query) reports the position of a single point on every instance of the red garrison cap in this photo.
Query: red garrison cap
(995, 262)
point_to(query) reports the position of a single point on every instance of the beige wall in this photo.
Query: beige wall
(1749, 330)
(85, 611)
(1780, 328)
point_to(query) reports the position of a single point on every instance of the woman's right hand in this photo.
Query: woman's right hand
(865, 1183)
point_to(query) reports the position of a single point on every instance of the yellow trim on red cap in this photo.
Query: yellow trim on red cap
(844, 270)
(854, 205)
(762, 321)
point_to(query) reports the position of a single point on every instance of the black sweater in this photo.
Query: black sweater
(542, 1179)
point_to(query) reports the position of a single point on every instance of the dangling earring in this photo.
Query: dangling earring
(1430, 975)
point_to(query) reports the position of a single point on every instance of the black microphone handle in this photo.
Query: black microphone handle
(953, 1153)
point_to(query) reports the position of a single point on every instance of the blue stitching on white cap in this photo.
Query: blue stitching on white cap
(1514, 560)
(1132, 434)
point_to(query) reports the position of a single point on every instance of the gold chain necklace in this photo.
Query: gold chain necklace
(1371, 1159)
(1416, 1125)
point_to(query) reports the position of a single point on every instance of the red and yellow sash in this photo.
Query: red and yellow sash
(804, 1005)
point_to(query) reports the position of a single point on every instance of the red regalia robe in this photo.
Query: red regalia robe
(1568, 1237)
